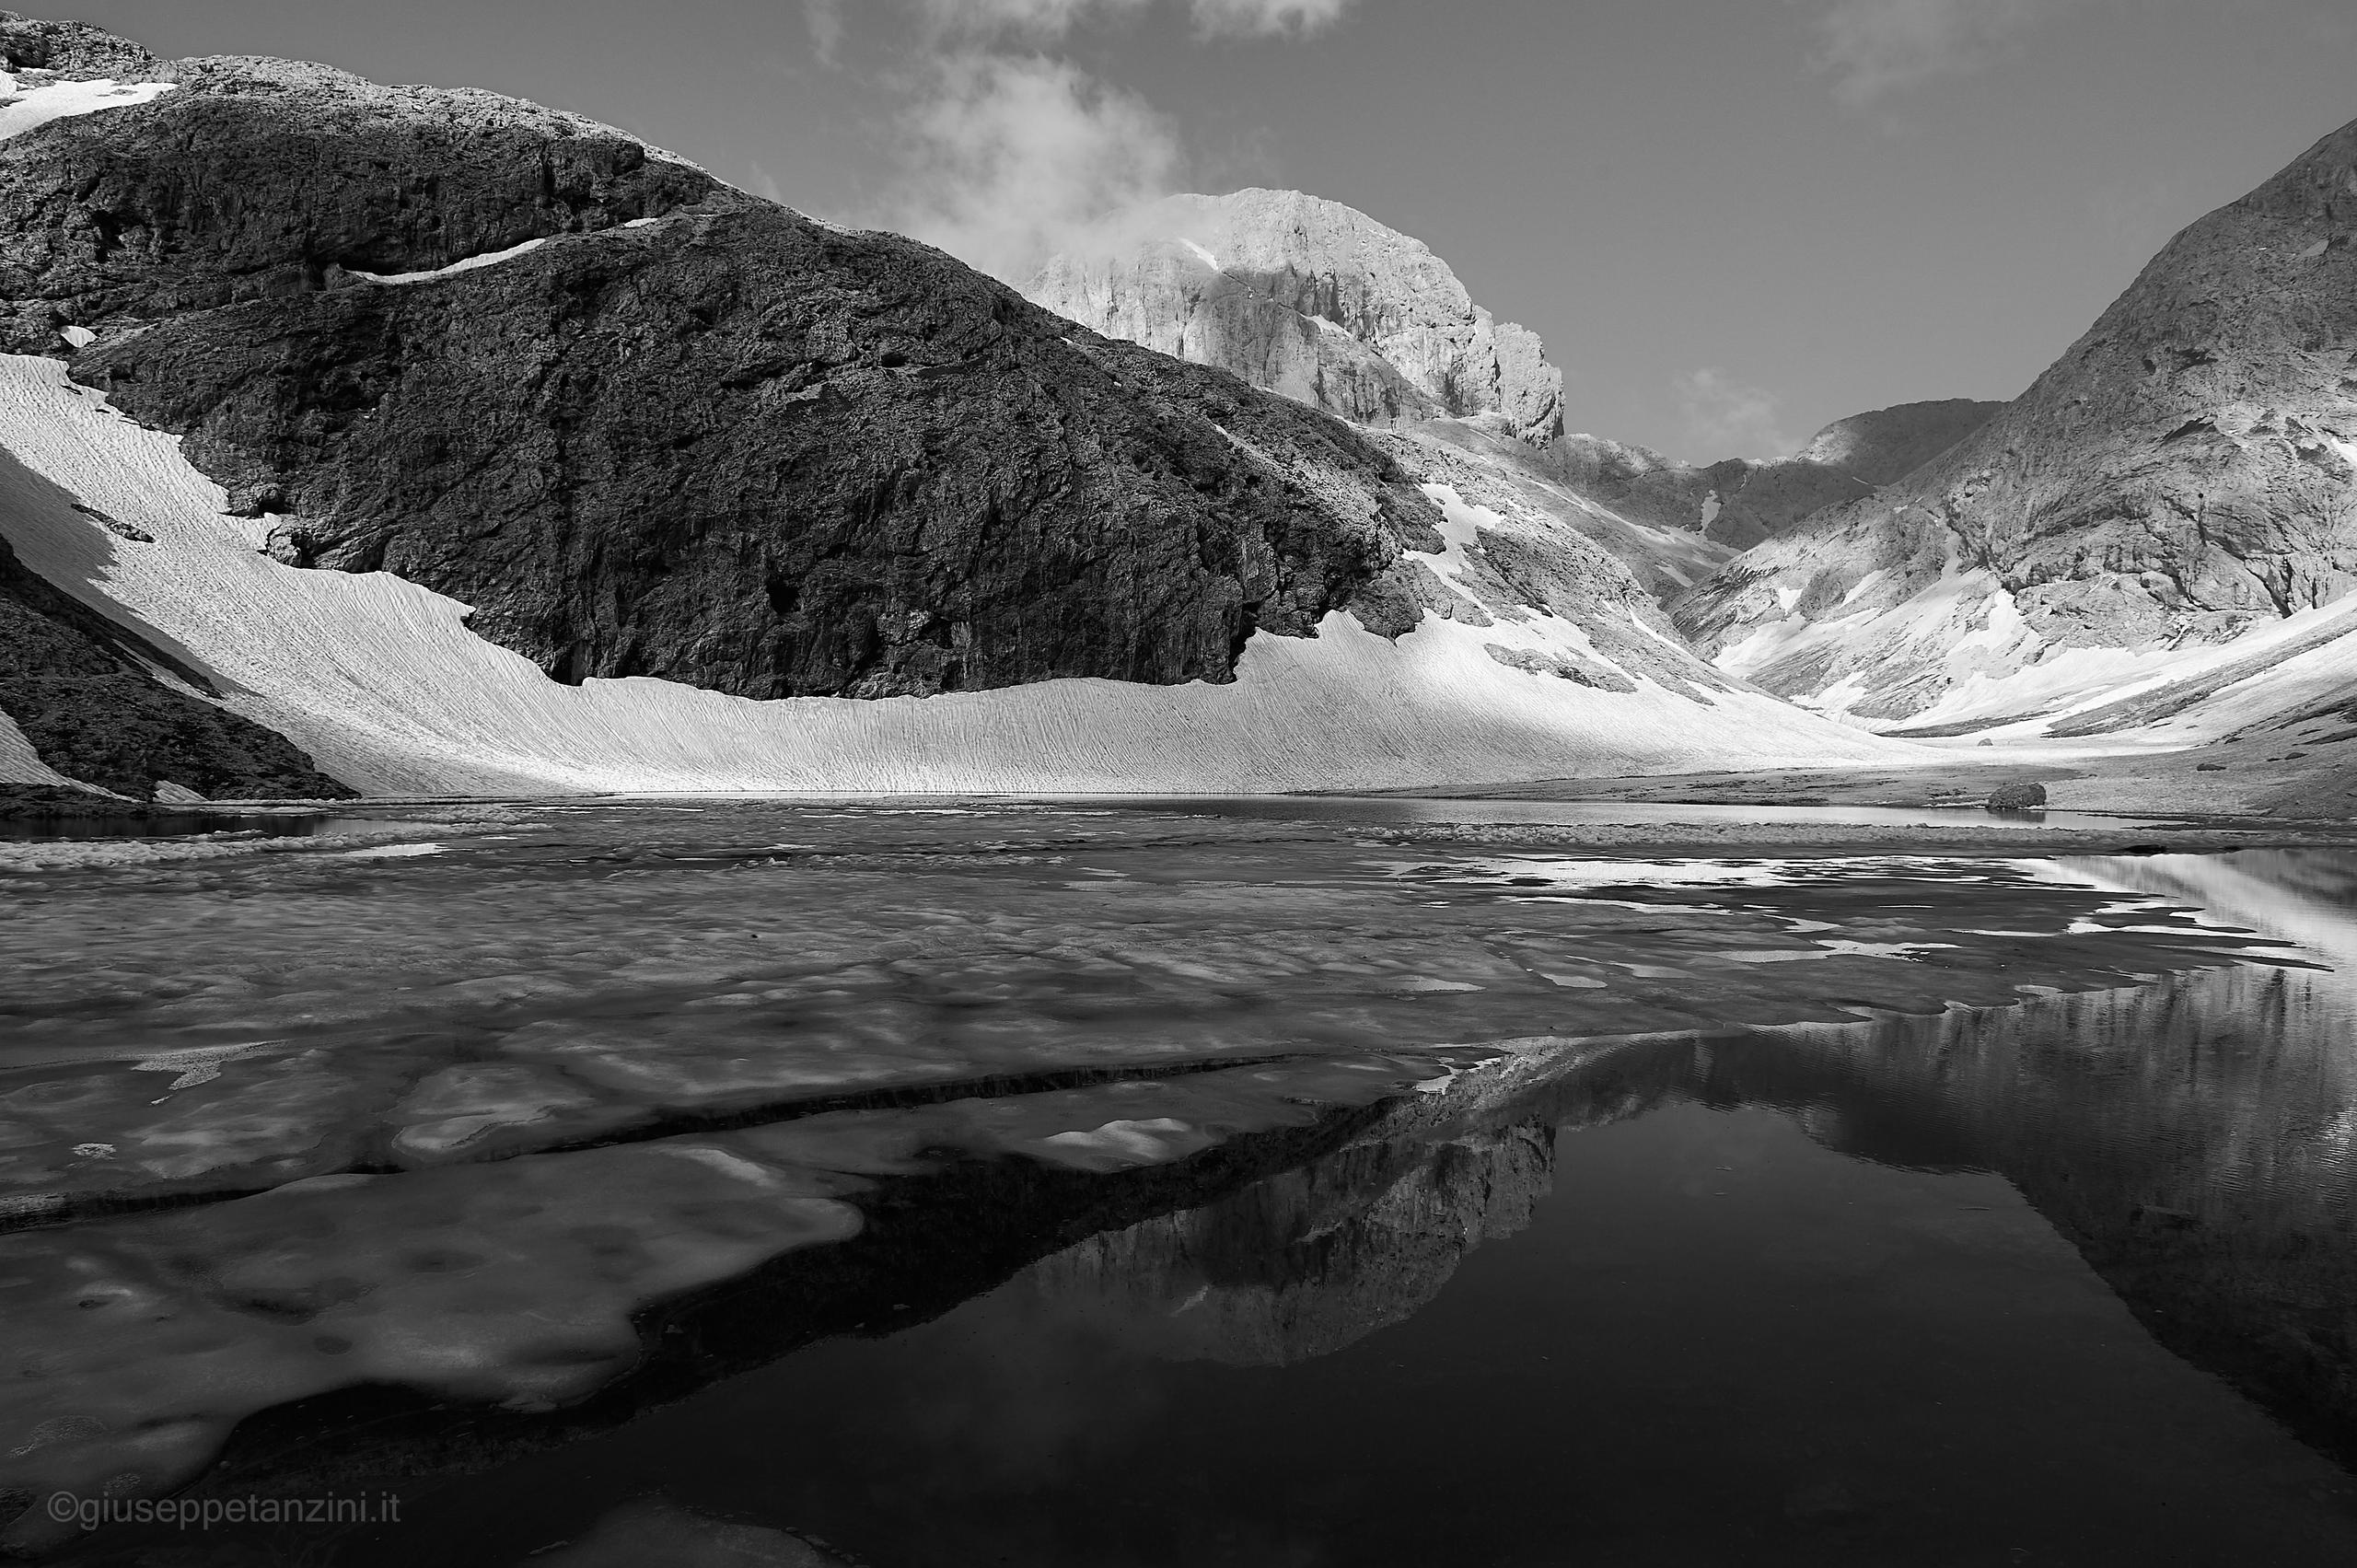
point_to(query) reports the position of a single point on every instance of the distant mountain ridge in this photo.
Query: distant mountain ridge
(1328, 306)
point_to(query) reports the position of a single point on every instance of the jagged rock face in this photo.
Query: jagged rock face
(1315, 300)
(2181, 476)
(695, 436)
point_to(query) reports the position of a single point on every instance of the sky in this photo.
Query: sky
(1733, 221)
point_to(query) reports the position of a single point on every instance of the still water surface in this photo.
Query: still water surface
(1832, 1254)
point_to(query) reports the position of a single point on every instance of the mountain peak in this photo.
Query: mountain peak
(1312, 300)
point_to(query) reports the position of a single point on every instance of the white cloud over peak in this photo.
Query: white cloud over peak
(1724, 418)
(1265, 18)
(1874, 48)
(1010, 153)
(1044, 21)
(1013, 156)
(1035, 19)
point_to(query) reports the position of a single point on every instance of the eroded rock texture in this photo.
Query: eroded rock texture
(2182, 474)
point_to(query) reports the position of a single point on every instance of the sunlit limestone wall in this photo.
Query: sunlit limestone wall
(383, 684)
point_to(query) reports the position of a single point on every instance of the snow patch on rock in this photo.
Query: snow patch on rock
(25, 104)
(473, 263)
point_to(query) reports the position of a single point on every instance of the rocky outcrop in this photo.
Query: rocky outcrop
(2181, 477)
(1315, 300)
(91, 696)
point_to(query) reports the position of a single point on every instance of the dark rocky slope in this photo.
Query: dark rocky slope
(2183, 474)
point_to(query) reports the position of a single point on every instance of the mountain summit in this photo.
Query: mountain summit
(1312, 299)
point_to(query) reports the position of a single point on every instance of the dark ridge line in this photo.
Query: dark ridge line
(898, 1097)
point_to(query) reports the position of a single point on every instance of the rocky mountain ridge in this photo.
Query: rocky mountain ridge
(1328, 306)
(2181, 478)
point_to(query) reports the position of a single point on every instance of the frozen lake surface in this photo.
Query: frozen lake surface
(1099, 1183)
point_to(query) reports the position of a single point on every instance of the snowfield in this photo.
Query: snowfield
(382, 682)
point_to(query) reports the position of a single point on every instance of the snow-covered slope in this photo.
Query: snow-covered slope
(382, 681)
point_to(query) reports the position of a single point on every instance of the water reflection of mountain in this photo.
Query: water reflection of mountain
(2196, 1138)
(1307, 1262)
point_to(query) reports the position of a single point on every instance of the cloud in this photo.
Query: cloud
(1266, 18)
(1043, 21)
(1013, 156)
(1724, 418)
(1010, 153)
(1037, 21)
(1874, 48)
(825, 19)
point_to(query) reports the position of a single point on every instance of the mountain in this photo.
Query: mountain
(1323, 303)
(1312, 299)
(2162, 530)
(498, 451)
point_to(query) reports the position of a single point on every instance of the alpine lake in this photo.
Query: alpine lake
(1120, 1184)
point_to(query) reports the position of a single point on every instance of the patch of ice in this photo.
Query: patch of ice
(79, 336)
(391, 852)
(198, 1064)
(1135, 1139)
(1208, 259)
(734, 1166)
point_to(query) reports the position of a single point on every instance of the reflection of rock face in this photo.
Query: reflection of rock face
(2197, 1139)
(1315, 300)
(1310, 1261)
